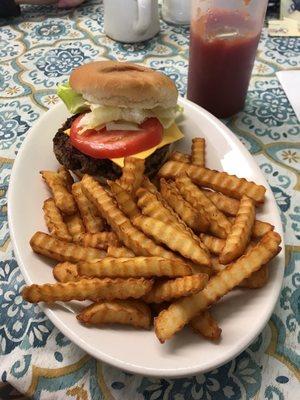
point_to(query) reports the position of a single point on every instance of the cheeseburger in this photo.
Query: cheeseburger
(119, 110)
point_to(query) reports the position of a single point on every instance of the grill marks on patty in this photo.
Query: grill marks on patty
(74, 160)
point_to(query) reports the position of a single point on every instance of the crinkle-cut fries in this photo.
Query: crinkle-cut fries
(159, 251)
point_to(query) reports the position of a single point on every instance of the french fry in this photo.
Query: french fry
(219, 224)
(55, 222)
(100, 240)
(198, 152)
(260, 228)
(173, 238)
(92, 221)
(126, 232)
(258, 279)
(226, 204)
(126, 312)
(88, 289)
(222, 182)
(175, 288)
(194, 218)
(124, 199)
(216, 265)
(182, 311)
(65, 175)
(147, 184)
(240, 234)
(215, 245)
(141, 267)
(230, 207)
(206, 325)
(178, 156)
(66, 272)
(132, 174)
(60, 250)
(153, 205)
(118, 252)
(74, 224)
(62, 197)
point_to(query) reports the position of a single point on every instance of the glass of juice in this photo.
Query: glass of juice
(223, 43)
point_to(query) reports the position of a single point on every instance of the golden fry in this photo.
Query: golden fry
(126, 312)
(182, 311)
(74, 224)
(219, 224)
(226, 204)
(206, 325)
(215, 245)
(60, 250)
(220, 181)
(132, 238)
(175, 288)
(92, 221)
(240, 234)
(258, 279)
(147, 184)
(259, 229)
(100, 240)
(62, 197)
(118, 252)
(65, 175)
(216, 265)
(66, 272)
(178, 156)
(55, 222)
(230, 207)
(173, 238)
(124, 199)
(87, 289)
(153, 205)
(198, 152)
(132, 174)
(145, 267)
(194, 218)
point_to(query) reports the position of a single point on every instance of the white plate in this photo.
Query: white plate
(242, 314)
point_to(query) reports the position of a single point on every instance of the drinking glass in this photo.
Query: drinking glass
(223, 43)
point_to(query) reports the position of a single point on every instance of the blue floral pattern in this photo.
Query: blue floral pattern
(60, 62)
(38, 50)
(19, 321)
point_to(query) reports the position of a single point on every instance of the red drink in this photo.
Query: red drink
(222, 51)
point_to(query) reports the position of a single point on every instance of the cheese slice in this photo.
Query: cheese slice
(170, 135)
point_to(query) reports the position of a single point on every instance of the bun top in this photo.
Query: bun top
(122, 84)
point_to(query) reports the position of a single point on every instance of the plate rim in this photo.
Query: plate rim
(128, 366)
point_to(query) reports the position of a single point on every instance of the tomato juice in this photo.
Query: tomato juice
(223, 45)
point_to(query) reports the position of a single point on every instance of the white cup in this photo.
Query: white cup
(131, 21)
(177, 11)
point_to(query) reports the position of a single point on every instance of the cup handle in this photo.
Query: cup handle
(144, 16)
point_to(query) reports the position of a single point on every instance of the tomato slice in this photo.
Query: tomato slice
(115, 144)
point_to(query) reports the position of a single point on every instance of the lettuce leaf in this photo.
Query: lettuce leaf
(74, 102)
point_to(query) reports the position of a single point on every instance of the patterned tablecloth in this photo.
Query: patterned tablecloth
(39, 50)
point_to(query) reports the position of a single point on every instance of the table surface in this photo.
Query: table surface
(39, 50)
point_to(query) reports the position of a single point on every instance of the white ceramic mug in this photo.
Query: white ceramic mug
(131, 21)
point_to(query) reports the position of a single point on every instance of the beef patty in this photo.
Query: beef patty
(80, 163)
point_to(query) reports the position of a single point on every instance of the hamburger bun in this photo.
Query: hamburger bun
(112, 83)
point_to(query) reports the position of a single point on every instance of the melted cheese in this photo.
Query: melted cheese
(170, 135)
